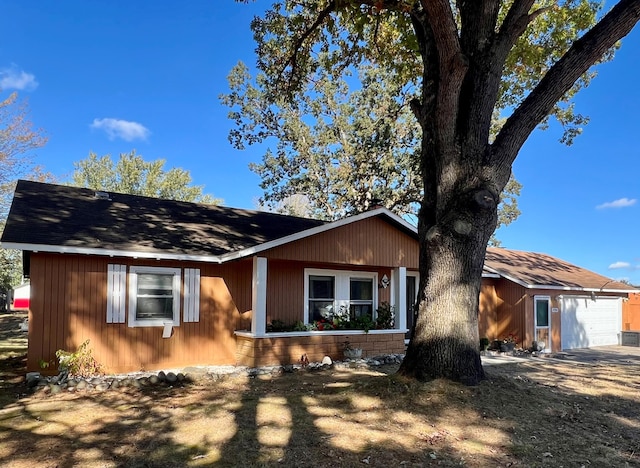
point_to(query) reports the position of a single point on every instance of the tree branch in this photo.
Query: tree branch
(451, 64)
(293, 59)
(478, 21)
(560, 78)
(514, 25)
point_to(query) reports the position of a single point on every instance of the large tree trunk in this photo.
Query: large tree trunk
(445, 341)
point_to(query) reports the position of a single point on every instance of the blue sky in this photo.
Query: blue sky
(111, 76)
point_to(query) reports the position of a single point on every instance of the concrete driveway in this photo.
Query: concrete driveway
(597, 355)
(601, 355)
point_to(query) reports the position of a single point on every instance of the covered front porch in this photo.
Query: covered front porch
(257, 347)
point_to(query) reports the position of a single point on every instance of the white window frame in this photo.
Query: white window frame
(342, 282)
(133, 296)
(536, 327)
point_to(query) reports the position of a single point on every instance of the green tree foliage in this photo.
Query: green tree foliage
(485, 73)
(133, 175)
(350, 138)
(342, 149)
(18, 140)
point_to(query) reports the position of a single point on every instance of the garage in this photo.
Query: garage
(588, 322)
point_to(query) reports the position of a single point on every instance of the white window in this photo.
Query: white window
(334, 292)
(360, 298)
(322, 297)
(154, 296)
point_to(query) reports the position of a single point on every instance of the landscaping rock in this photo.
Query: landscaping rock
(216, 373)
(172, 378)
(55, 388)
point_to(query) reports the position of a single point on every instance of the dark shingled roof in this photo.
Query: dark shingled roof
(538, 270)
(58, 215)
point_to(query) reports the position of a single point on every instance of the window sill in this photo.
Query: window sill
(153, 323)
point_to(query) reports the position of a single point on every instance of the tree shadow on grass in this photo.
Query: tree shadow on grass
(337, 417)
(111, 429)
(344, 419)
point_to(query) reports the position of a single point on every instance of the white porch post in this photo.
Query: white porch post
(400, 296)
(259, 297)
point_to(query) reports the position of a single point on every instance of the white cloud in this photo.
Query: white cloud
(116, 128)
(619, 265)
(620, 203)
(13, 78)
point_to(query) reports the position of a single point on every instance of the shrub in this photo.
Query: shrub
(484, 343)
(385, 316)
(80, 362)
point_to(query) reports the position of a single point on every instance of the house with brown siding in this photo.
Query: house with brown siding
(162, 284)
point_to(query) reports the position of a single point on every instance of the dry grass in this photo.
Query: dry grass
(527, 415)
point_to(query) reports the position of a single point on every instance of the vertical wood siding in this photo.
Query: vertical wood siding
(631, 313)
(69, 297)
(511, 311)
(369, 242)
(488, 310)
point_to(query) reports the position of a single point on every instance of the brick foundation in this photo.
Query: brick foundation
(281, 350)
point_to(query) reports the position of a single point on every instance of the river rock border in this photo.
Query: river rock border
(139, 380)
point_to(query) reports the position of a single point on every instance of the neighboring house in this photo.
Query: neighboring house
(19, 297)
(162, 284)
(631, 313)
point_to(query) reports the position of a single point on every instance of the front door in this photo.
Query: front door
(543, 321)
(412, 295)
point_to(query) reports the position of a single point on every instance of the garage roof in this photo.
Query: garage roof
(542, 271)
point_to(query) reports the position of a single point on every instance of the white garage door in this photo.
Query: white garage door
(586, 322)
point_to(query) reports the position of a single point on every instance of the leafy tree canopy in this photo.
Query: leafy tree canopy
(18, 140)
(133, 175)
(349, 138)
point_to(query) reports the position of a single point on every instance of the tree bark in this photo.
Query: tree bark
(445, 340)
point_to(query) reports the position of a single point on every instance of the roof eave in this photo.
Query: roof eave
(109, 252)
(558, 288)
